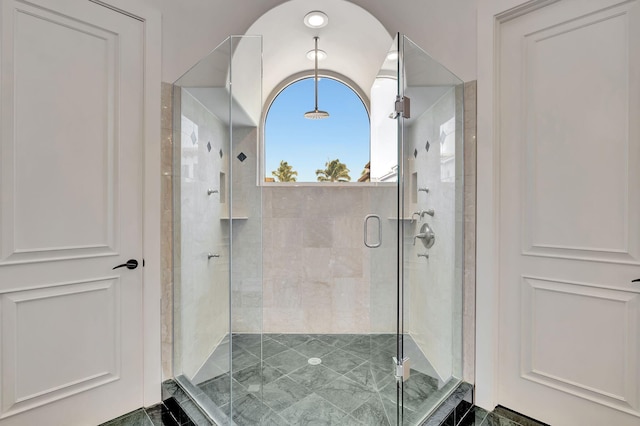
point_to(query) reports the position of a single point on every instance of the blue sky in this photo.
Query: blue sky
(308, 144)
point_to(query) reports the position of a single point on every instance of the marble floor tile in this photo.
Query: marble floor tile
(219, 389)
(314, 348)
(256, 375)
(266, 349)
(371, 412)
(283, 393)
(241, 359)
(362, 374)
(291, 340)
(360, 347)
(414, 392)
(345, 394)
(314, 410)
(493, 419)
(516, 417)
(314, 376)
(337, 340)
(246, 340)
(475, 417)
(160, 415)
(287, 361)
(250, 411)
(341, 362)
(135, 418)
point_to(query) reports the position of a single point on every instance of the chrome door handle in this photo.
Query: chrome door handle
(636, 280)
(131, 264)
(366, 227)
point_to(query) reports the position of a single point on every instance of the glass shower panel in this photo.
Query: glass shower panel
(213, 121)
(381, 226)
(432, 194)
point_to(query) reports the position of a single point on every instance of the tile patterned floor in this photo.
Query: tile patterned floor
(353, 384)
(159, 416)
(498, 417)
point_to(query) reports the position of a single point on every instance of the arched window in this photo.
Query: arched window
(296, 147)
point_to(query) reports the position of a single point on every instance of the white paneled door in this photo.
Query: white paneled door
(71, 75)
(569, 217)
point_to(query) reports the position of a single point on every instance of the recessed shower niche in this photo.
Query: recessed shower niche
(295, 318)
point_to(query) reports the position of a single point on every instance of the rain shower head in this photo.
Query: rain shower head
(316, 114)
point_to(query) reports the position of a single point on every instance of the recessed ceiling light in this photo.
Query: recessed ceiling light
(322, 55)
(316, 19)
(392, 56)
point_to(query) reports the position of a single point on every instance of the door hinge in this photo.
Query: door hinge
(402, 106)
(402, 369)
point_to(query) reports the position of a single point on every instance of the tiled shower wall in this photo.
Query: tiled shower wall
(433, 288)
(318, 275)
(166, 242)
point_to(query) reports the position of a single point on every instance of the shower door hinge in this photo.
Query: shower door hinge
(402, 369)
(403, 106)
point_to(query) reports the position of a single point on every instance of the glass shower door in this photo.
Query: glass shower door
(414, 233)
(430, 199)
(217, 318)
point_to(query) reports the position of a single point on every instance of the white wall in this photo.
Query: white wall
(444, 28)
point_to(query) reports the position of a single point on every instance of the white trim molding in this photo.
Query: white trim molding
(151, 17)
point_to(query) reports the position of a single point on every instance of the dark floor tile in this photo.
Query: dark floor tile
(241, 359)
(496, 420)
(291, 340)
(249, 411)
(314, 376)
(177, 411)
(287, 361)
(314, 348)
(314, 410)
(391, 409)
(362, 374)
(341, 362)
(283, 393)
(194, 414)
(371, 412)
(474, 418)
(266, 349)
(160, 415)
(135, 418)
(415, 391)
(171, 389)
(517, 417)
(337, 340)
(345, 393)
(360, 347)
(418, 388)
(383, 340)
(255, 376)
(219, 389)
(246, 340)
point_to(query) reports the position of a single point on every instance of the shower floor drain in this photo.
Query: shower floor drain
(314, 361)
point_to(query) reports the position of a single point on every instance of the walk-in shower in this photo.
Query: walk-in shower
(334, 303)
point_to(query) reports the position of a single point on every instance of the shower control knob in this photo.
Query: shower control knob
(210, 255)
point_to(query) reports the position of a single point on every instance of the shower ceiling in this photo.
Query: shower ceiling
(356, 41)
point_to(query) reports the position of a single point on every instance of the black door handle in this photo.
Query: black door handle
(131, 264)
(636, 280)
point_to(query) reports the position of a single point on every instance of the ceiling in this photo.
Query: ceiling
(355, 41)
